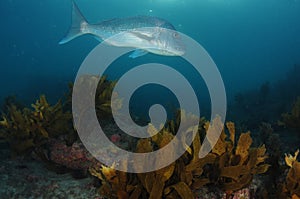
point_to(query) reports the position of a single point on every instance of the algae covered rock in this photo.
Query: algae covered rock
(292, 119)
(28, 129)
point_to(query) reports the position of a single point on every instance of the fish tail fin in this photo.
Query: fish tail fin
(78, 27)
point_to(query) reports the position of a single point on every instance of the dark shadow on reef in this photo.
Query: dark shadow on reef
(266, 103)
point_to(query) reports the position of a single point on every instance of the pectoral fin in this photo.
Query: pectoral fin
(137, 53)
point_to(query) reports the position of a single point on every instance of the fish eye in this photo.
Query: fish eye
(176, 35)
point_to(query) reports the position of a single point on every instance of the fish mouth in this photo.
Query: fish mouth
(173, 50)
(178, 51)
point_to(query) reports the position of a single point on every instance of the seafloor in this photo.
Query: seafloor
(28, 179)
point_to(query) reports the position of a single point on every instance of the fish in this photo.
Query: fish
(146, 34)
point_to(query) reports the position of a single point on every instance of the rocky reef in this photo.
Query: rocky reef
(292, 119)
(240, 165)
(29, 129)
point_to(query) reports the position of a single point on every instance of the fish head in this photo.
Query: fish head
(167, 42)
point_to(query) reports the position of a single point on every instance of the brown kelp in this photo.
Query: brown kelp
(230, 165)
(29, 129)
(102, 98)
(292, 184)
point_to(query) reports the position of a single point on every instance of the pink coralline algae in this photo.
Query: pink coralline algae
(115, 138)
(241, 194)
(72, 157)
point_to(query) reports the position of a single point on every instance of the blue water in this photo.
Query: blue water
(251, 41)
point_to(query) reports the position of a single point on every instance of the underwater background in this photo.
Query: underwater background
(256, 47)
(250, 41)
